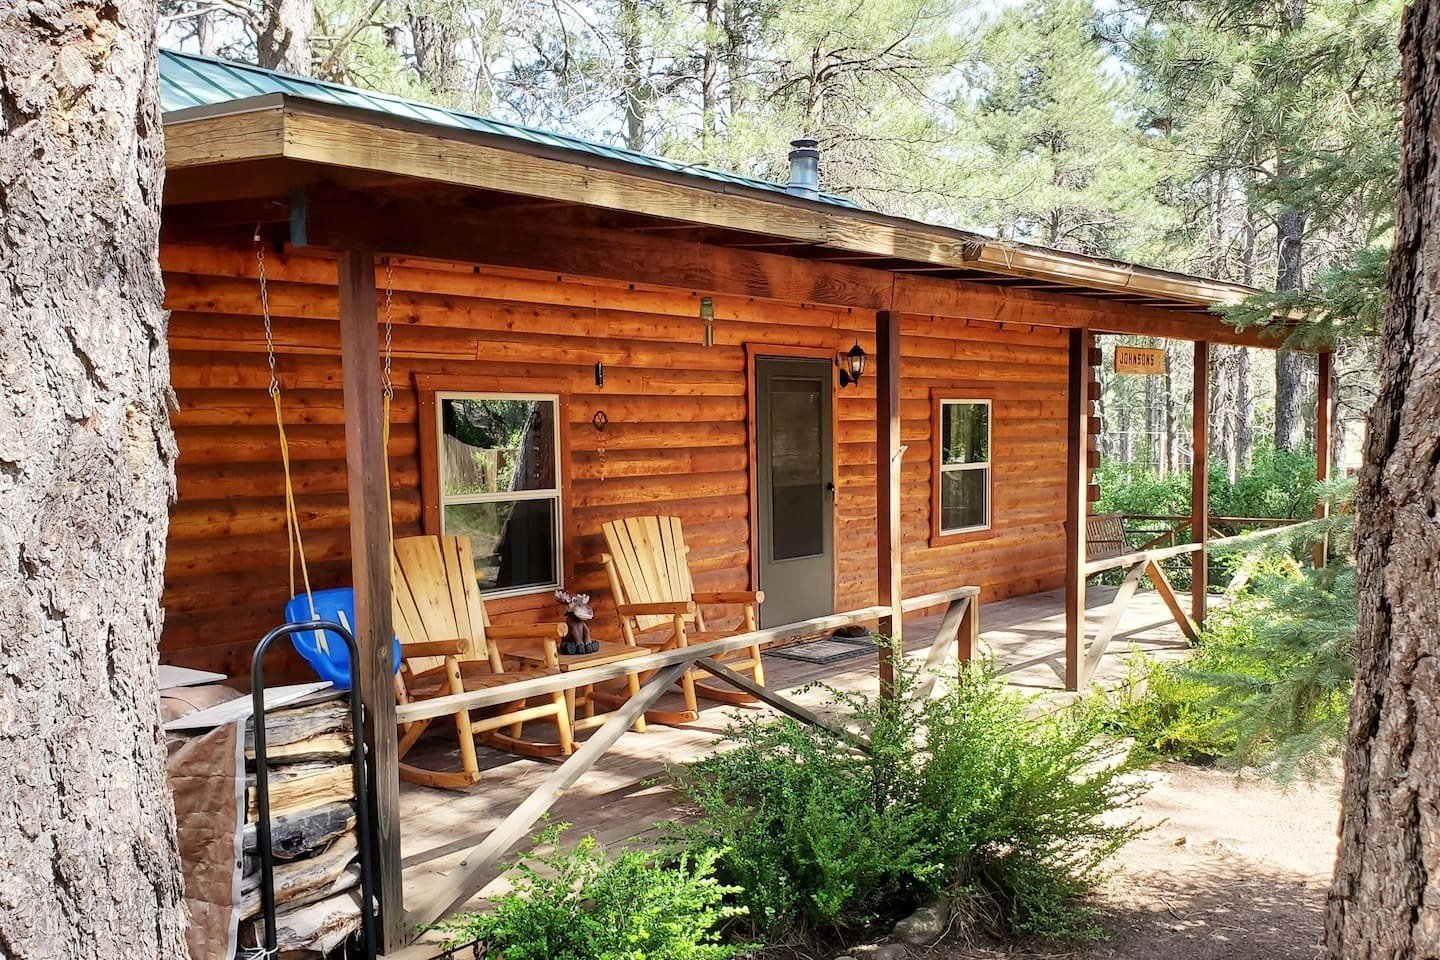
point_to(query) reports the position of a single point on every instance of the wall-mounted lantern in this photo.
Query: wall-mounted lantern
(707, 317)
(851, 364)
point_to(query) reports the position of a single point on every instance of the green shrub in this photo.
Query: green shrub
(964, 793)
(586, 905)
(1269, 683)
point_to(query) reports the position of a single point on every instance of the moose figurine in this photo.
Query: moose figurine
(577, 613)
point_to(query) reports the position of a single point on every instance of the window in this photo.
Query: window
(963, 474)
(498, 461)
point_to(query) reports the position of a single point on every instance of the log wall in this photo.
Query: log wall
(677, 440)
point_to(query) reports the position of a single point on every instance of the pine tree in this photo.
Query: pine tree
(1056, 157)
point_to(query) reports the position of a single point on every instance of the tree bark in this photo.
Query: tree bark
(90, 864)
(710, 79)
(635, 91)
(1383, 902)
(284, 42)
(433, 35)
(1290, 368)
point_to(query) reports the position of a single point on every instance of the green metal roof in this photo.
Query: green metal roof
(188, 80)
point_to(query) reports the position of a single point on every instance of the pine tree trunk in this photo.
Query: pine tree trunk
(284, 42)
(88, 859)
(1290, 368)
(710, 78)
(1383, 903)
(432, 33)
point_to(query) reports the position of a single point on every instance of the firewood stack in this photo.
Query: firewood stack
(312, 810)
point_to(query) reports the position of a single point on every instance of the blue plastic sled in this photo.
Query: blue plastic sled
(330, 661)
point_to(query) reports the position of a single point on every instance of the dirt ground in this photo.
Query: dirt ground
(1231, 871)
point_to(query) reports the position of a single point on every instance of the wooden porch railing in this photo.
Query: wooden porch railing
(1180, 523)
(959, 629)
(1145, 562)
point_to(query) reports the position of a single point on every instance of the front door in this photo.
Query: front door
(795, 485)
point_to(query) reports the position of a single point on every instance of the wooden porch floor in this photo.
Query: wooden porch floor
(624, 795)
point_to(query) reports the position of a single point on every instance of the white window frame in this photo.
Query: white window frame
(986, 465)
(550, 493)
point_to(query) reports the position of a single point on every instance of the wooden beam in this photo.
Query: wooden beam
(1200, 482)
(1135, 556)
(472, 873)
(345, 137)
(207, 140)
(1096, 649)
(889, 529)
(1324, 417)
(1077, 478)
(925, 601)
(1172, 602)
(587, 676)
(1011, 304)
(950, 635)
(370, 571)
(330, 218)
(784, 704)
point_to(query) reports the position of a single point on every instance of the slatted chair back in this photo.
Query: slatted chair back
(436, 596)
(1105, 537)
(649, 557)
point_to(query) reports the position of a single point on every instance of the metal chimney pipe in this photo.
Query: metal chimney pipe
(805, 168)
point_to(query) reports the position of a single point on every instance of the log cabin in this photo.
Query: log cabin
(846, 409)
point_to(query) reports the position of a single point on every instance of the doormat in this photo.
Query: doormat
(825, 649)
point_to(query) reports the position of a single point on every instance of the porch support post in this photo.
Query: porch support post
(1077, 479)
(1200, 483)
(887, 489)
(370, 574)
(1324, 417)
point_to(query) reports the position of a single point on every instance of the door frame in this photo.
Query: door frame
(753, 353)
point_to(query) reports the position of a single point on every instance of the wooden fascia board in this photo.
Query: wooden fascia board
(200, 137)
(333, 219)
(332, 135)
(978, 301)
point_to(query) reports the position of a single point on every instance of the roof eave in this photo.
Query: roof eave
(285, 125)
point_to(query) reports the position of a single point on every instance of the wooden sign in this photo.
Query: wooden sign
(1147, 361)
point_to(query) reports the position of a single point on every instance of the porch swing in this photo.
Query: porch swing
(444, 641)
(324, 651)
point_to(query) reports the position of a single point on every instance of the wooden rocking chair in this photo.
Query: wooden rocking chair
(447, 644)
(649, 575)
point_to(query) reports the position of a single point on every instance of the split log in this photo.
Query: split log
(295, 835)
(294, 880)
(317, 927)
(303, 786)
(320, 729)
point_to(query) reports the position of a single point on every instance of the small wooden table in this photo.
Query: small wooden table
(585, 697)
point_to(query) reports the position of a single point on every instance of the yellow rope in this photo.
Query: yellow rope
(294, 541)
(387, 388)
(292, 515)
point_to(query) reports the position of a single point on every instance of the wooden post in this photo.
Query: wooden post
(887, 489)
(1324, 370)
(1077, 478)
(1200, 482)
(370, 573)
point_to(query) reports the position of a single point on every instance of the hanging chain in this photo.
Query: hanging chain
(265, 312)
(386, 380)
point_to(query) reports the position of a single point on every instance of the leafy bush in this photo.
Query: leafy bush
(586, 905)
(963, 793)
(1276, 484)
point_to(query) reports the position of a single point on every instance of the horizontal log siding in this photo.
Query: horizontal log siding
(676, 443)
